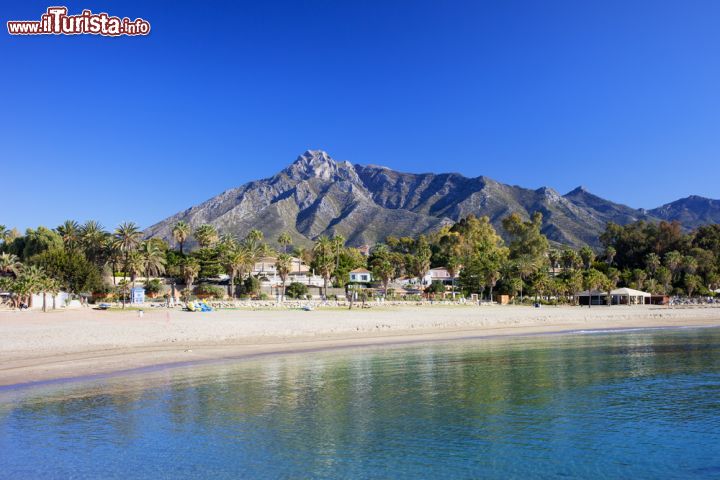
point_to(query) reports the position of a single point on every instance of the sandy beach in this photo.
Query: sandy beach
(37, 346)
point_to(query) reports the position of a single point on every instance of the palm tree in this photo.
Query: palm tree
(610, 253)
(381, 266)
(236, 262)
(127, 238)
(154, 260)
(323, 251)
(652, 262)
(92, 235)
(338, 242)
(453, 264)
(135, 265)
(588, 256)
(69, 231)
(524, 267)
(190, 270)
(283, 264)
(181, 231)
(284, 240)
(9, 264)
(570, 259)
(52, 286)
(255, 236)
(31, 280)
(4, 234)
(592, 280)
(206, 235)
(112, 255)
(689, 264)
(673, 261)
(553, 259)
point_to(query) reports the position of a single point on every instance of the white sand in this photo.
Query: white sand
(36, 346)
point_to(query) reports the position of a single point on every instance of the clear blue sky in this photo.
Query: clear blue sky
(619, 96)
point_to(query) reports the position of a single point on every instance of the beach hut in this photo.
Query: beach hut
(629, 296)
(591, 297)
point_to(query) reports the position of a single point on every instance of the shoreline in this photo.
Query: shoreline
(41, 348)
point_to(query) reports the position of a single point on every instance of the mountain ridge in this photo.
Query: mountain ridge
(318, 195)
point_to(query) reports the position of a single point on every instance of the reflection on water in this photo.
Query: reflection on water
(641, 404)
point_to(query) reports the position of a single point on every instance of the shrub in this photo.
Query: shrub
(153, 287)
(296, 290)
(214, 291)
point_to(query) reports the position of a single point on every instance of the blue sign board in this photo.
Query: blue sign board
(137, 295)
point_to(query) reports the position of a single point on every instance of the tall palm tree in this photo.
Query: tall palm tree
(673, 261)
(652, 262)
(524, 266)
(323, 251)
(283, 264)
(181, 232)
(112, 255)
(69, 231)
(127, 238)
(236, 262)
(92, 235)
(338, 242)
(284, 240)
(588, 256)
(190, 270)
(135, 265)
(206, 235)
(553, 259)
(154, 260)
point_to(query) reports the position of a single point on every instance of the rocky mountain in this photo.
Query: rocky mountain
(317, 195)
(691, 212)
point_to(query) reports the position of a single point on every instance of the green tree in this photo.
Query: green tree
(206, 235)
(283, 264)
(284, 240)
(181, 232)
(69, 231)
(381, 266)
(692, 282)
(190, 271)
(323, 259)
(154, 259)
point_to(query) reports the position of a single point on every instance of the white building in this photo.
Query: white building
(360, 275)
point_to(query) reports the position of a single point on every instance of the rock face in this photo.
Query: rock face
(317, 195)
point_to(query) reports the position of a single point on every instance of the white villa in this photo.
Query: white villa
(264, 269)
(439, 274)
(360, 275)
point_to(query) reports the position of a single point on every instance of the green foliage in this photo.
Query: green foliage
(153, 287)
(436, 287)
(296, 290)
(70, 268)
(214, 291)
(35, 242)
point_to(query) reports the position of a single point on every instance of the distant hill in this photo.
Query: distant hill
(691, 212)
(317, 195)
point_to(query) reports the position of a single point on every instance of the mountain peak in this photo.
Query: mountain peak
(319, 164)
(577, 190)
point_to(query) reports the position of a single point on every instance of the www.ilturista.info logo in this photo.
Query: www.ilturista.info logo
(57, 22)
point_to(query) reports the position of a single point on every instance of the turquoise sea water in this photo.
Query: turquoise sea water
(642, 404)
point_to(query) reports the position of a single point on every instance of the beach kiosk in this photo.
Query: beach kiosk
(137, 295)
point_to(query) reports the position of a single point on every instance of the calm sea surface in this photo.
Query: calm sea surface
(643, 404)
